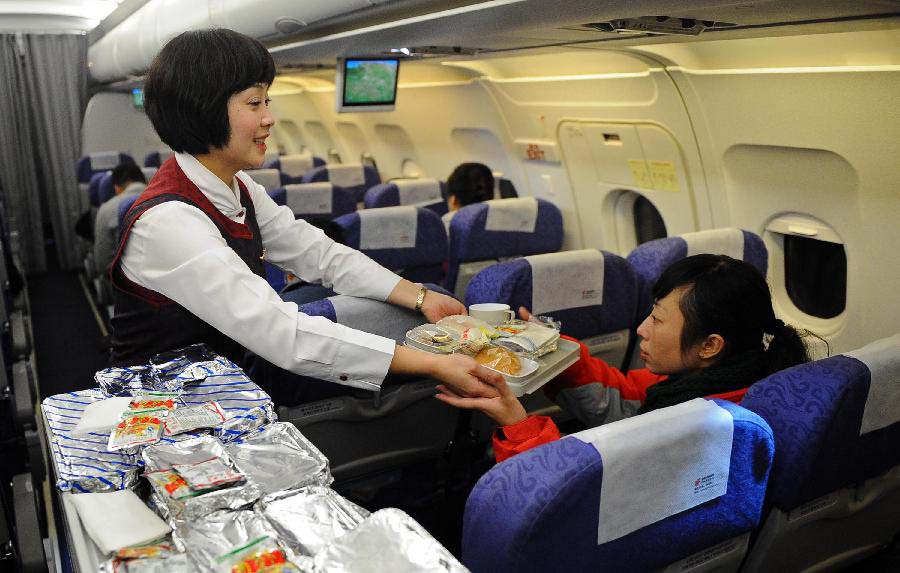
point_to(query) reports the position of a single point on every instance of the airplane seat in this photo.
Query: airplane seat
(157, 158)
(149, 172)
(483, 233)
(592, 293)
(124, 206)
(834, 493)
(504, 188)
(428, 193)
(105, 189)
(315, 200)
(293, 166)
(675, 489)
(362, 432)
(410, 241)
(93, 187)
(650, 259)
(268, 178)
(97, 162)
(357, 178)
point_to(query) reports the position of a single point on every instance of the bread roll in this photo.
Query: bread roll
(499, 359)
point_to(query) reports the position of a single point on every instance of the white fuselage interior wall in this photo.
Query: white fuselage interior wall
(112, 123)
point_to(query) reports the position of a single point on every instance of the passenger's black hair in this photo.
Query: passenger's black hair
(190, 81)
(125, 173)
(730, 298)
(471, 183)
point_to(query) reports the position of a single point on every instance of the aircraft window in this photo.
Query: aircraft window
(648, 223)
(815, 274)
(333, 156)
(411, 169)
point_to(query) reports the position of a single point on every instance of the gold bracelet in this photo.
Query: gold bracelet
(421, 298)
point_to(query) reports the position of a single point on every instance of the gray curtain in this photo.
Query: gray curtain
(18, 168)
(56, 74)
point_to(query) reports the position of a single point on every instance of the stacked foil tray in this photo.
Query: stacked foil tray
(285, 495)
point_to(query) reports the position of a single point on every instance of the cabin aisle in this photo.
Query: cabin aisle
(67, 338)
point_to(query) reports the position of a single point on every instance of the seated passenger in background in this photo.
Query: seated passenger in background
(128, 181)
(703, 338)
(469, 183)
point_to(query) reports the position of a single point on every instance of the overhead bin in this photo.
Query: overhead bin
(129, 48)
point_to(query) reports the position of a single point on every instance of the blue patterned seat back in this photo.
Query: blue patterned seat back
(650, 259)
(511, 283)
(342, 175)
(470, 241)
(156, 158)
(389, 195)
(538, 511)
(292, 167)
(420, 263)
(93, 187)
(105, 189)
(99, 162)
(816, 411)
(124, 206)
(342, 201)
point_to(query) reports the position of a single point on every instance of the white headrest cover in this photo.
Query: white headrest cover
(569, 279)
(297, 164)
(517, 215)
(309, 198)
(882, 357)
(388, 228)
(716, 242)
(660, 463)
(268, 178)
(103, 160)
(419, 191)
(346, 175)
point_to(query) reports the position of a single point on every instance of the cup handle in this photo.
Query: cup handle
(510, 315)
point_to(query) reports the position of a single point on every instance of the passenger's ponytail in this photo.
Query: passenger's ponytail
(786, 347)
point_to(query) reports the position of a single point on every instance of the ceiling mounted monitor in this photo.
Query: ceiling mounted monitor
(366, 84)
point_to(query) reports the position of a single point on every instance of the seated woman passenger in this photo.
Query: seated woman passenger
(469, 183)
(190, 263)
(703, 338)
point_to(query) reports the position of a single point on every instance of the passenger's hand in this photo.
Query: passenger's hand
(466, 378)
(524, 313)
(436, 306)
(504, 409)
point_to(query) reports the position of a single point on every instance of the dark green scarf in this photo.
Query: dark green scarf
(739, 371)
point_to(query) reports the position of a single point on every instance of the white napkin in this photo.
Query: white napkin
(101, 416)
(314, 198)
(104, 160)
(516, 215)
(118, 519)
(346, 175)
(419, 191)
(296, 164)
(570, 279)
(717, 242)
(660, 463)
(882, 408)
(388, 228)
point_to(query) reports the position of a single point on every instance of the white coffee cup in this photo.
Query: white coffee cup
(493, 313)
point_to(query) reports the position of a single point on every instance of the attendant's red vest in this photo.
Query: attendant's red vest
(145, 321)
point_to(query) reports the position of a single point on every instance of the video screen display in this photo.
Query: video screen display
(137, 98)
(369, 82)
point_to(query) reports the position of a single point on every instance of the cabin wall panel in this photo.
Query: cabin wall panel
(821, 142)
(112, 123)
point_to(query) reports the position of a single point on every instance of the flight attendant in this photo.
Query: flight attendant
(190, 263)
(712, 333)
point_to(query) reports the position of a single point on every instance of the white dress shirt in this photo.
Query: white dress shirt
(177, 251)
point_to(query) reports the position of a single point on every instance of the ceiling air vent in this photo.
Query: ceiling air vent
(658, 25)
(437, 51)
(289, 25)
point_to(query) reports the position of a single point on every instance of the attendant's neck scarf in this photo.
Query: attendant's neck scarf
(735, 373)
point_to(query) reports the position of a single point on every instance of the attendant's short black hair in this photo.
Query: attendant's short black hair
(471, 183)
(125, 173)
(189, 83)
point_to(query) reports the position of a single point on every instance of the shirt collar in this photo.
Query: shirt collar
(219, 194)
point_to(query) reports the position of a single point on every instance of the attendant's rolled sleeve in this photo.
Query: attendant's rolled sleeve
(304, 250)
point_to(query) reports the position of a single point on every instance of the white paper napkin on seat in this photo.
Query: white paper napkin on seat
(118, 519)
(101, 416)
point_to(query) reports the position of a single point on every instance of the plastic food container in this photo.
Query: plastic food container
(518, 382)
(431, 338)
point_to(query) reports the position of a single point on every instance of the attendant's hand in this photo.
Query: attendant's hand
(464, 377)
(524, 313)
(504, 409)
(436, 306)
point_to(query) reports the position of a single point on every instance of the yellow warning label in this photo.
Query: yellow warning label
(664, 176)
(640, 173)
